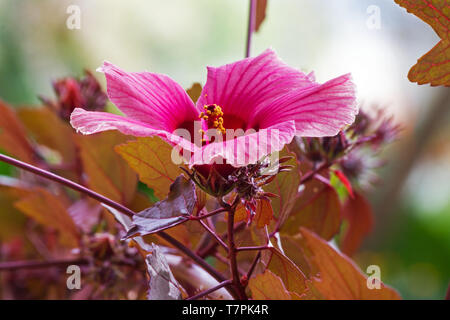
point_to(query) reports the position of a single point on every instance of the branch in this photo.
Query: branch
(210, 214)
(202, 263)
(16, 265)
(251, 26)
(218, 239)
(253, 265)
(232, 252)
(75, 186)
(206, 292)
(224, 260)
(209, 250)
(310, 174)
(252, 248)
(213, 272)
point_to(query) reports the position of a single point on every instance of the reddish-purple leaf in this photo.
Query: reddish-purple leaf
(285, 186)
(13, 139)
(358, 213)
(261, 6)
(85, 213)
(107, 173)
(338, 277)
(12, 222)
(434, 66)
(194, 91)
(292, 277)
(175, 209)
(51, 211)
(263, 213)
(322, 214)
(268, 286)
(49, 130)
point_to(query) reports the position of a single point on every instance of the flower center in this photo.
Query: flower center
(213, 115)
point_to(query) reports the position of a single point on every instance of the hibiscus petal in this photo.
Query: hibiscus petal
(240, 87)
(318, 110)
(89, 122)
(151, 98)
(248, 148)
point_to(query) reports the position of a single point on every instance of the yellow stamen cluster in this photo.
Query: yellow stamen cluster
(213, 114)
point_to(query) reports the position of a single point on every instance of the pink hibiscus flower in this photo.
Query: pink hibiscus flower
(247, 109)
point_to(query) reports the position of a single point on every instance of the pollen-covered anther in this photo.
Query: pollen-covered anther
(213, 114)
(203, 134)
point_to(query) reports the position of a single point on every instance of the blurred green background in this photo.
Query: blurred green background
(411, 240)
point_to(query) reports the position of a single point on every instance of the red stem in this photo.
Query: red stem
(224, 260)
(206, 292)
(251, 26)
(15, 265)
(252, 248)
(67, 183)
(210, 214)
(215, 235)
(232, 251)
(253, 266)
(309, 175)
(211, 248)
